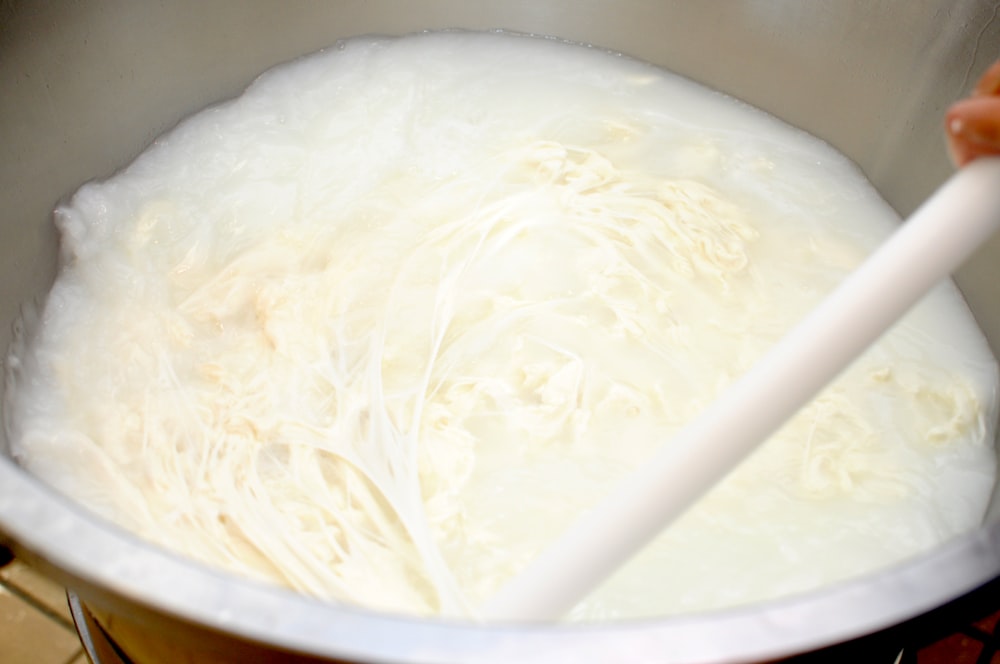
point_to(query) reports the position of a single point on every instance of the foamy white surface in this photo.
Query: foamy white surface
(380, 328)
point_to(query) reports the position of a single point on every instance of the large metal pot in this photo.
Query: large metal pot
(86, 85)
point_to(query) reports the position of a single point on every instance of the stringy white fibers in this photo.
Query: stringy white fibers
(379, 329)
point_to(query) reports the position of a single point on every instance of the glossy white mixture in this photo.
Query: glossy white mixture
(382, 327)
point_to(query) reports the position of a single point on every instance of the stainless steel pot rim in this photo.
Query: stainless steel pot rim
(95, 553)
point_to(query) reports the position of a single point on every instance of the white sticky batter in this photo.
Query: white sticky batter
(379, 329)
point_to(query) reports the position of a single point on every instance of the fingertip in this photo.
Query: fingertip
(989, 83)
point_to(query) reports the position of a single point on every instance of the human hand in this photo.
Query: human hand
(972, 125)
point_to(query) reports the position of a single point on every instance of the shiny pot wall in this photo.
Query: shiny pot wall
(85, 86)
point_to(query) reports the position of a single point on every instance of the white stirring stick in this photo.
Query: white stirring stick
(935, 241)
